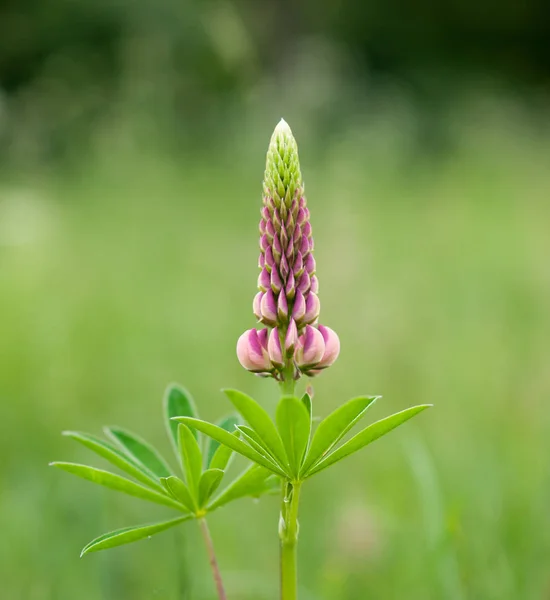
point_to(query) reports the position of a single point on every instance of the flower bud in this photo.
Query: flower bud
(299, 308)
(282, 308)
(268, 307)
(313, 306)
(310, 348)
(291, 338)
(264, 280)
(274, 349)
(332, 347)
(252, 351)
(256, 306)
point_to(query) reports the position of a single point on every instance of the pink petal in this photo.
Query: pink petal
(332, 347)
(311, 347)
(250, 353)
(268, 308)
(274, 348)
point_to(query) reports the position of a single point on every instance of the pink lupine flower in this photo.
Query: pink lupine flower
(252, 351)
(287, 301)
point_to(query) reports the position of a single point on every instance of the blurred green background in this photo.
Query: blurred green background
(132, 144)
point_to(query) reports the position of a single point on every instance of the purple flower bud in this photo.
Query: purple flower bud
(277, 249)
(282, 308)
(264, 280)
(310, 264)
(313, 307)
(268, 307)
(332, 347)
(290, 288)
(252, 354)
(283, 267)
(276, 283)
(299, 308)
(314, 287)
(298, 265)
(310, 348)
(291, 338)
(304, 283)
(277, 221)
(256, 306)
(274, 349)
(269, 261)
(270, 230)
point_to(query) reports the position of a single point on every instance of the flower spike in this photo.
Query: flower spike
(287, 302)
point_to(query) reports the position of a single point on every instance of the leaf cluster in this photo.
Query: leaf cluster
(193, 492)
(289, 446)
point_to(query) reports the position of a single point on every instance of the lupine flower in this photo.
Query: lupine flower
(288, 304)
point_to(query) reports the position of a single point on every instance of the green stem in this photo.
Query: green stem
(212, 557)
(288, 533)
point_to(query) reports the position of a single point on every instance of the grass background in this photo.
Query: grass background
(133, 268)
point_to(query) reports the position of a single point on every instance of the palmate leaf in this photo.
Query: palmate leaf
(129, 534)
(177, 402)
(140, 450)
(294, 423)
(118, 483)
(191, 458)
(231, 441)
(209, 483)
(255, 481)
(332, 429)
(115, 457)
(228, 423)
(262, 424)
(368, 435)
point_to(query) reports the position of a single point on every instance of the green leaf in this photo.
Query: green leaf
(176, 488)
(223, 455)
(128, 535)
(306, 401)
(116, 482)
(191, 458)
(140, 450)
(368, 435)
(294, 425)
(253, 482)
(209, 483)
(228, 423)
(332, 429)
(115, 457)
(231, 441)
(178, 402)
(262, 424)
(256, 442)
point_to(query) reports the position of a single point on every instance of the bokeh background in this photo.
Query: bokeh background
(132, 144)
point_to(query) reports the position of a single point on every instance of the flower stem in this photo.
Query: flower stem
(288, 533)
(212, 557)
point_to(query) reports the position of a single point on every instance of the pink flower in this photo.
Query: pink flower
(332, 347)
(317, 349)
(310, 349)
(252, 351)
